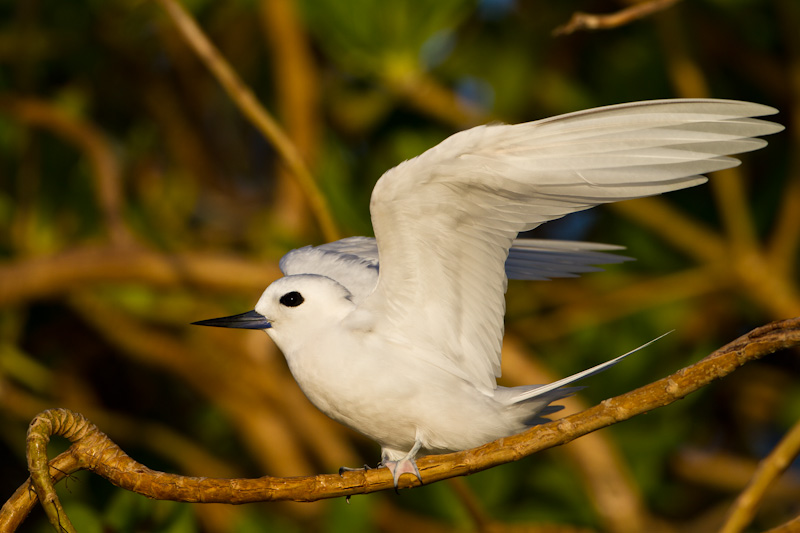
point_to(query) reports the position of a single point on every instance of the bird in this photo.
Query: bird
(399, 336)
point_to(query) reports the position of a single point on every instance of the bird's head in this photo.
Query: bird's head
(293, 308)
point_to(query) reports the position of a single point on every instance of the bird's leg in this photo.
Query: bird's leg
(406, 465)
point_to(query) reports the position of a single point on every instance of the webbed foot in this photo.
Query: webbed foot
(404, 465)
(400, 467)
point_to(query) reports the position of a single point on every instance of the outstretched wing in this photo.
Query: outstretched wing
(353, 262)
(444, 221)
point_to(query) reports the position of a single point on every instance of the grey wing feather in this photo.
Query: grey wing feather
(353, 262)
(535, 259)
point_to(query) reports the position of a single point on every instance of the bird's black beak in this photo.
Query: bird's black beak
(248, 320)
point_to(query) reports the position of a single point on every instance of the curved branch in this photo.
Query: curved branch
(96, 452)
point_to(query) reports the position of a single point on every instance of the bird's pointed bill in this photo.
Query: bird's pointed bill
(248, 320)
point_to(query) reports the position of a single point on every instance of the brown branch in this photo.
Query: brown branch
(427, 95)
(572, 310)
(90, 141)
(588, 21)
(94, 451)
(297, 88)
(792, 526)
(744, 508)
(785, 239)
(44, 276)
(689, 80)
(606, 477)
(678, 229)
(252, 109)
(766, 282)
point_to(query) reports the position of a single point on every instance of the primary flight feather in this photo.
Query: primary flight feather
(398, 337)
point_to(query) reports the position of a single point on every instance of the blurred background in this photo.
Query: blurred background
(135, 198)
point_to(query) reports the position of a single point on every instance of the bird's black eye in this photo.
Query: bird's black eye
(292, 299)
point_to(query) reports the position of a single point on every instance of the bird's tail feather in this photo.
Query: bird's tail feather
(525, 394)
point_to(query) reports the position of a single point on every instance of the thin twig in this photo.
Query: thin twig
(772, 466)
(588, 21)
(480, 520)
(605, 473)
(691, 236)
(249, 105)
(785, 239)
(297, 100)
(770, 284)
(792, 526)
(689, 80)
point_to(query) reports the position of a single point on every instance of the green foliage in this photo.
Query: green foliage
(382, 38)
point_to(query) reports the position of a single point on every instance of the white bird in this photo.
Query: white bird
(398, 337)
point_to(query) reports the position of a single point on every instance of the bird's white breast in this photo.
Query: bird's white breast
(391, 392)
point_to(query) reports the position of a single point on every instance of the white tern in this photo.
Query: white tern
(398, 337)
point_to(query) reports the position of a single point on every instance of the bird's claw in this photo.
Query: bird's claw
(343, 469)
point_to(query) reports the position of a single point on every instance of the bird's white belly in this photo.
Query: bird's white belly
(392, 395)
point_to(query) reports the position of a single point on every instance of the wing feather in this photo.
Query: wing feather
(445, 221)
(353, 262)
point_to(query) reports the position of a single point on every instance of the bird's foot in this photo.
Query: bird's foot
(343, 469)
(405, 465)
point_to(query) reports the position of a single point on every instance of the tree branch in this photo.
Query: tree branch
(588, 21)
(251, 108)
(37, 277)
(775, 464)
(93, 143)
(93, 450)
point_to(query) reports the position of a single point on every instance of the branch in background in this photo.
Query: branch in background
(792, 526)
(691, 236)
(249, 105)
(94, 451)
(744, 508)
(689, 81)
(298, 102)
(253, 394)
(91, 142)
(34, 278)
(766, 281)
(588, 21)
(426, 94)
(605, 473)
(785, 241)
